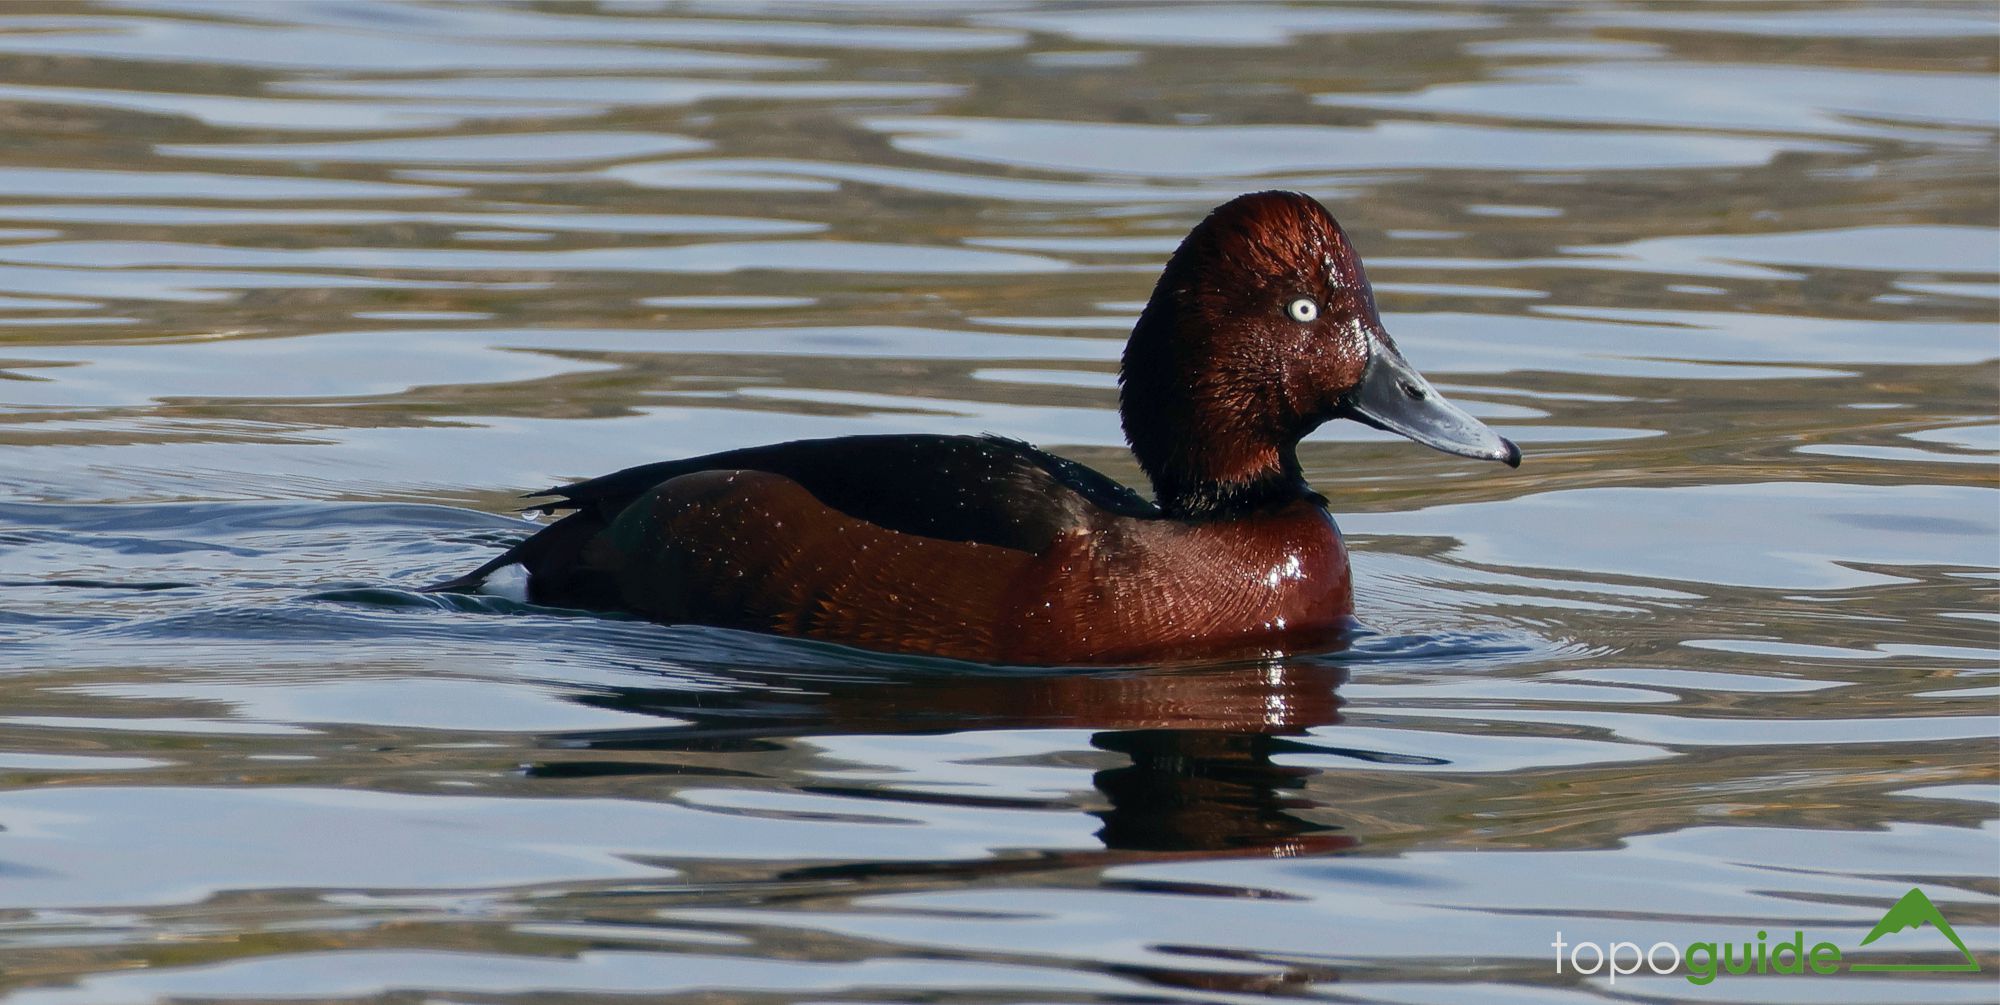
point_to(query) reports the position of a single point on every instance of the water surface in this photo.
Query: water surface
(296, 298)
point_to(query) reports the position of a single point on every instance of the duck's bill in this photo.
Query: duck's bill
(1395, 397)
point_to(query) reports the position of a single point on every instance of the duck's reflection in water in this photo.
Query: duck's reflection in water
(1205, 791)
(1201, 779)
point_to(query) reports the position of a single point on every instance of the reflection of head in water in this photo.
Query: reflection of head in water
(1205, 790)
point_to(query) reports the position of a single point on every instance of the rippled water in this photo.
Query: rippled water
(294, 298)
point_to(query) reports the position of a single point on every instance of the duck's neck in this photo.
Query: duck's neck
(1211, 448)
(1214, 496)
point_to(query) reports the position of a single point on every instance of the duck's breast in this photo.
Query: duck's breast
(1151, 589)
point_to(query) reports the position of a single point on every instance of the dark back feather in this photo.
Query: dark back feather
(985, 489)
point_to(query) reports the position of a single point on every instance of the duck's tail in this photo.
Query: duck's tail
(552, 561)
(472, 581)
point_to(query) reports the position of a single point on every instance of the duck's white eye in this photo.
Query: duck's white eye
(1302, 310)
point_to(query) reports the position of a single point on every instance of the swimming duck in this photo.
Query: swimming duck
(1261, 328)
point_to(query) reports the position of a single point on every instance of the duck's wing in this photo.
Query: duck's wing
(984, 489)
(981, 489)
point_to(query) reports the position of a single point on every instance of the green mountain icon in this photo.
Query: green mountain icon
(1914, 910)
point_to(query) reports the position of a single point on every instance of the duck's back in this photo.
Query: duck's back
(985, 489)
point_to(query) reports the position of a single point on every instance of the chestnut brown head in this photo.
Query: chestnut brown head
(1261, 328)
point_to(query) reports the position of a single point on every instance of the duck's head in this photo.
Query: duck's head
(1262, 328)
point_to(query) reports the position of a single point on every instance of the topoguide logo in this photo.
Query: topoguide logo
(1705, 961)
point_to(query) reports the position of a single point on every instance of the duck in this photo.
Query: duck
(1261, 328)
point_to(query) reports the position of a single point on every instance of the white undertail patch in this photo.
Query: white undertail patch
(509, 582)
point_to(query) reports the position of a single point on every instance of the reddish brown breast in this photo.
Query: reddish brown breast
(1135, 590)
